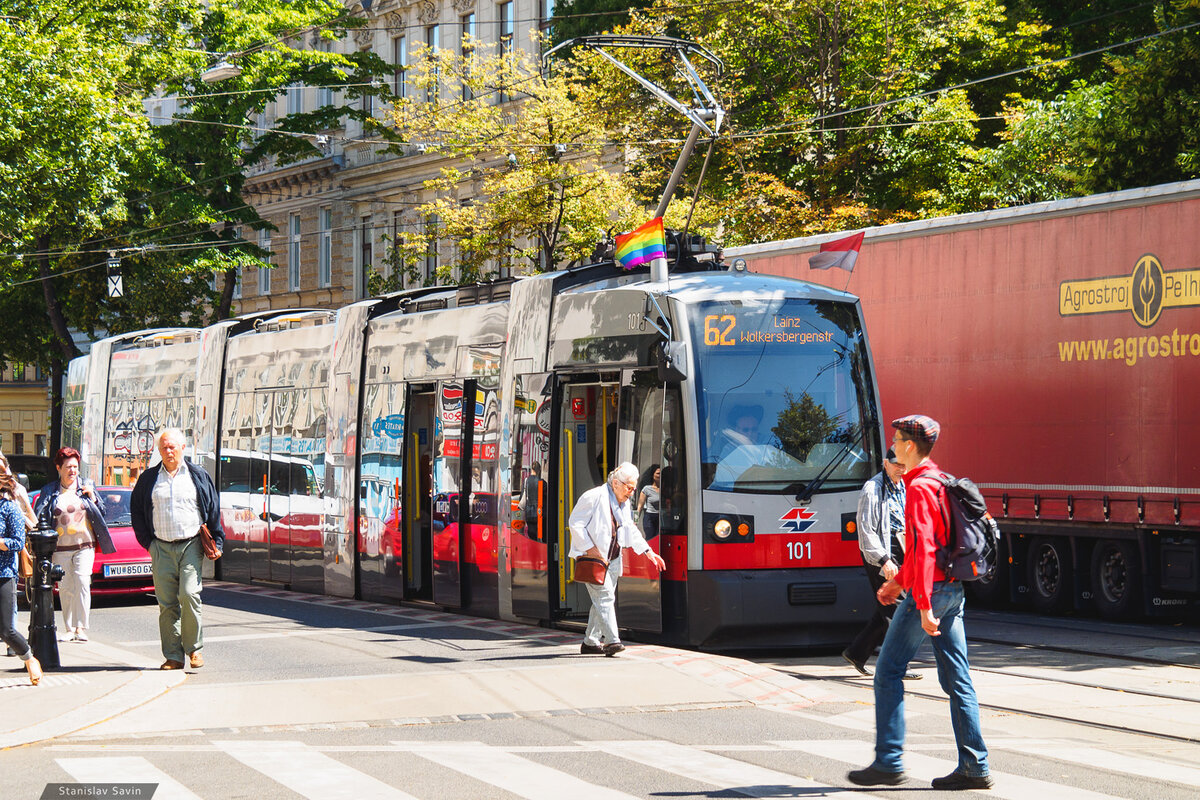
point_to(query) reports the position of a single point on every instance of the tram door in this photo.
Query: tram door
(420, 429)
(587, 452)
(451, 490)
(270, 485)
(533, 539)
(647, 433)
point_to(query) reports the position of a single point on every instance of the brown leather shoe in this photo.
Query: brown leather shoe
(197, 660)
(171, 664)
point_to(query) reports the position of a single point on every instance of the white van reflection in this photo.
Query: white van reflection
(273, 498)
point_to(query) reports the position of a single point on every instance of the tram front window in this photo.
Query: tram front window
(785, 397)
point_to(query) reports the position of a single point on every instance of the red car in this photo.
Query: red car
(127, 571)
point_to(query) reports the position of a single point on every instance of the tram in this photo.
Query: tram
(428, 446)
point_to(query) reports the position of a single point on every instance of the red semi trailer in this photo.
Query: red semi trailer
(1059, 346)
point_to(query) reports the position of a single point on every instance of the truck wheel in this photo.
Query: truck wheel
(992, 588)
(1049, 574)
(1116, 578)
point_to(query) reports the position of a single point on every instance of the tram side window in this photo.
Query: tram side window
(530, 453)
(650, 419)
(235, 474)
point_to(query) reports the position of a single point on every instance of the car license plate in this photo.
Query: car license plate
(125, 570)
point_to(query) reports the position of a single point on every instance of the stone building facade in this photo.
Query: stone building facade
(24, 410)
(337, 215)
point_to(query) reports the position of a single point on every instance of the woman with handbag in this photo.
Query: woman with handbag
(76, 511)
(12, 541)
(601, 525)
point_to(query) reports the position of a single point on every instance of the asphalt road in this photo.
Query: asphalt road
(306, 698)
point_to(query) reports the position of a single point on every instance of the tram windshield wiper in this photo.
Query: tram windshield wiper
(810, 488)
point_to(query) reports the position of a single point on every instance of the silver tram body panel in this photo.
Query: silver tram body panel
(404, 432)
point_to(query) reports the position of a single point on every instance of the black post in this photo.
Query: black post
(43, 637)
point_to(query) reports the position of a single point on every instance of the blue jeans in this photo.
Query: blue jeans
(904, 637)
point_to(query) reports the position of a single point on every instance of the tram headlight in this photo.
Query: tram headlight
(722, 529)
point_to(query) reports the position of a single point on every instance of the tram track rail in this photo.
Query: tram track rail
(912, 689)
(1101, 649)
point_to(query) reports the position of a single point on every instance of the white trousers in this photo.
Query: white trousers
(602, 619)
(75, 588)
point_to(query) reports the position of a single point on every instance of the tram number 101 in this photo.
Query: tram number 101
(799, 551)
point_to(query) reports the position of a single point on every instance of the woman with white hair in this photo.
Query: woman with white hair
(601, 526)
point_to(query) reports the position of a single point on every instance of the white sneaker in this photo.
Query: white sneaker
(80, 636)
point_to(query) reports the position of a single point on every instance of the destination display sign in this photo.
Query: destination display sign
(754, 327)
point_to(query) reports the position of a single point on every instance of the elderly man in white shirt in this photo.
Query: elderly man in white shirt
(169, 503)
(595, 515)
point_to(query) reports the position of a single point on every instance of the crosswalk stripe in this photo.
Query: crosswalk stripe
(926, 768)
(308, 772)
(725, 773)
(126, 769)
(1113, 762)
(512, 773)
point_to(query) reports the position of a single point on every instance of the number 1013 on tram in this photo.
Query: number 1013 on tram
(428, 446)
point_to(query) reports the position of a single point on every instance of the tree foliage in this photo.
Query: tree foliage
(85, 171)
(528, 175)
(840, 114)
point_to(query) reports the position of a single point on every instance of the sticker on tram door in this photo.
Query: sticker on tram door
(798, 520)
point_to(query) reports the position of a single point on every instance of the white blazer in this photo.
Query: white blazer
(591, 524)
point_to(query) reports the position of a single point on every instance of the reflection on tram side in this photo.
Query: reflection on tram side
(429, 446)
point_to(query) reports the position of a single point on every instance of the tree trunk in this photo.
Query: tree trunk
(58, 322)
(56, 404)
(225, 305)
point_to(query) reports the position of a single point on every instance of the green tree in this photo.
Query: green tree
(803, 423)
(1148, 131)
(574, 18)
(530, 182)
(85, 172)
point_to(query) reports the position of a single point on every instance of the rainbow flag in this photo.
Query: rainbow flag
(642, 245)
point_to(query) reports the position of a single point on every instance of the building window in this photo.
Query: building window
(295, 99)
(325, 248)
(39, 443)
(432, 223)
(547, 14)
(18, 372)
(237, 276)
(368, 105)
(294, 253)
(433, 43)
(506, 43)
(18, 443)
(264, 272)
(366, 248)
(400, 60)
(324, 93)
(468, 45)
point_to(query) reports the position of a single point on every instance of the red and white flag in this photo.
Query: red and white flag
(841, 253)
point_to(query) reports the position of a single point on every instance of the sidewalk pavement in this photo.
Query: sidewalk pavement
(96, 682)
(106, 691)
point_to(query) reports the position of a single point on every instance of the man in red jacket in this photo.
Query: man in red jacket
(933, 608)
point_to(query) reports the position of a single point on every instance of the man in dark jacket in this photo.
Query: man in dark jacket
(169, 503)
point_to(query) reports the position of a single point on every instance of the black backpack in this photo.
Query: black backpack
(971, 551)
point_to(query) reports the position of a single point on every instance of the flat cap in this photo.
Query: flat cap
(919, 427)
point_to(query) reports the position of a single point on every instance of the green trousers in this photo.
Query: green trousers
(177, 586)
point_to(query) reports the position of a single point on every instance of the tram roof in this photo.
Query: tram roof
(711, 284)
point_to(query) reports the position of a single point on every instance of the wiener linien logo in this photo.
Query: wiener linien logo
(1144, 293)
